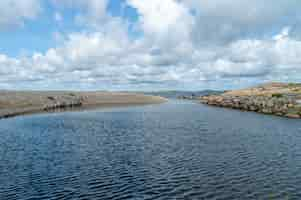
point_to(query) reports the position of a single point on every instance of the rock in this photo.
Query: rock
(273, 99)
(289, 115)
(279, 114)
(63, 102)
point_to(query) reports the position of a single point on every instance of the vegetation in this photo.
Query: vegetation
(290, 85)
(280, 99)
(277, 95)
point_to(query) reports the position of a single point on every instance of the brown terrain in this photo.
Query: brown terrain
(13, 103)
(282, 99)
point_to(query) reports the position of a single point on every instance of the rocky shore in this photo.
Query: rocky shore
(14, 103)
(282, 99)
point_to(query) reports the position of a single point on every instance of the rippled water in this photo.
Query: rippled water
(177, 150)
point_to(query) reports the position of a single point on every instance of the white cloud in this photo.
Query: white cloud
(15, 12)
(103, 59)
(224, 21)
(91, 12)
(166, 23)
(58, 17)
(160, 17)
(184, 44)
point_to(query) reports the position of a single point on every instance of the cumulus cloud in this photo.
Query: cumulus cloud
(15, 13)
(90, 12)
(182, 44)
(162, 17)
(58, 17)
(223, 21)
(101, 59)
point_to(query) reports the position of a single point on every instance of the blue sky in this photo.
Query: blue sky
(148, 45)
(38, 35)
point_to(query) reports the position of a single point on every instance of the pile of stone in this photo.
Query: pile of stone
(185, 97)
(62, 102)
(281, 104)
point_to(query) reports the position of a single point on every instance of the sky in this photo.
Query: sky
(148, 44)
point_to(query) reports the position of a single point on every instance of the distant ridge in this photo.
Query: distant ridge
(176, 94)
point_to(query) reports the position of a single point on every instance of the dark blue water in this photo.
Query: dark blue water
(177, 150)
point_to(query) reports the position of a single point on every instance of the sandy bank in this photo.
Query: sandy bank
(14, 103)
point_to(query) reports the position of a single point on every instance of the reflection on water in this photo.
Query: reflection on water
(177, 150)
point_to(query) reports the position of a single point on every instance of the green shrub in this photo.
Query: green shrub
(290, 85)
(277, 95)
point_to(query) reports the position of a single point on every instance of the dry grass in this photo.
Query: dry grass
(268, 90)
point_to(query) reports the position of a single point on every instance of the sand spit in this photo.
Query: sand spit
(14, 103)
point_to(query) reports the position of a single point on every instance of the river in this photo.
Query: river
(176, 150)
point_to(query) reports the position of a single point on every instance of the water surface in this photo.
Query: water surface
(177, 150)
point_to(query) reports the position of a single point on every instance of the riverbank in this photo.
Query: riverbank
(14, 103)
(281, 99)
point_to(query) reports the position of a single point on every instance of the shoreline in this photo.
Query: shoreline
(280, 99)
(17, 103)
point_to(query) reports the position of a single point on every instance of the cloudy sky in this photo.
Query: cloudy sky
(148, 44)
